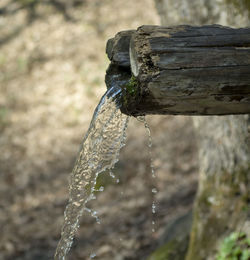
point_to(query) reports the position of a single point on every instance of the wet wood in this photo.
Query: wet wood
(185, 70)
(117, 49)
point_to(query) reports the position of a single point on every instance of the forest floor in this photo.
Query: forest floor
(52, 67)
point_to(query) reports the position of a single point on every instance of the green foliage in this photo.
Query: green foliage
(235, 247)
(246, 208)
(131, 86)
(214, 201)
(130, 93)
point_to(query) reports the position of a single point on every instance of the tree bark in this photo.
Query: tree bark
(224, 148)
(183, 70)
(187, 70)
(118, 73)
(222, 202)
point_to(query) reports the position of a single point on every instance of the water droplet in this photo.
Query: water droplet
(153, 208)
(101, 188)
(93, 255)
(111, 174)
(76, 204)
(150, 143)
(87, 209)
(94, 213)
(154, 190)
(153, 226)
(118, 180)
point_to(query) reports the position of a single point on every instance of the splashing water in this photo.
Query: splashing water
(99, 152)
(93, 255)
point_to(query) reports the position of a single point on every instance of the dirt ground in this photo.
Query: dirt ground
(52, 67)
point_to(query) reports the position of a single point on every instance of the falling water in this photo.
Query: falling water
(99, 152)
(154, 189)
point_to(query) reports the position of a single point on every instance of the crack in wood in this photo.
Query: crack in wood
(186, 70)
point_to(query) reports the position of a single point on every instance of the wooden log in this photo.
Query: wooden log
(117, 48)
(118, 73)
(187, 70)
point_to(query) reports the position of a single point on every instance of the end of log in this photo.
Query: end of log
(119, 73)
(117, 48)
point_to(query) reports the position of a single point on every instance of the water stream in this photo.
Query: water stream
(153, 181)
(99, 152)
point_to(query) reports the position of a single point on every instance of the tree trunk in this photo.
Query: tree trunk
(224, 183)
(224, 152)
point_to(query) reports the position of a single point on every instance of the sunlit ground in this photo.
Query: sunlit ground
(52, 67)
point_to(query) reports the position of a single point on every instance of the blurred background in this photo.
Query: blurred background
(52, 68)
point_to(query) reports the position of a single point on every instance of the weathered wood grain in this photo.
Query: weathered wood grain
(118, 73)
(117, 48)
(185, 70)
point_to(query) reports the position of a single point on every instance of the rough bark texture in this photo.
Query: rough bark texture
(224, 150)
(117, 48)
(224, 184)
(118, 73)
(199, 12)
(191, 70)
(182, 70)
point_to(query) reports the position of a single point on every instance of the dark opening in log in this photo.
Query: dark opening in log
(182, 70)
